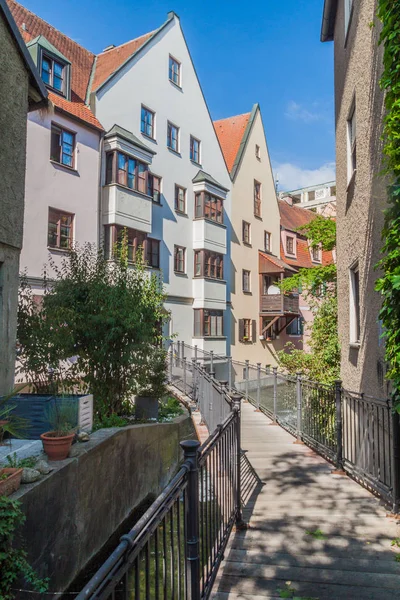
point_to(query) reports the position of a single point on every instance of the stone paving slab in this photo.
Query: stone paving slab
(292, 492)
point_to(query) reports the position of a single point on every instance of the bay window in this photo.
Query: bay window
(208, 264)
(208, 323)
(208, 206)
(126, 170)
(136, 240)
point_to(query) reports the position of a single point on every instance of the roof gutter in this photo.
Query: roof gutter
(328, 20)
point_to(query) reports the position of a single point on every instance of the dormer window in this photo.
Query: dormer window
(53, 73)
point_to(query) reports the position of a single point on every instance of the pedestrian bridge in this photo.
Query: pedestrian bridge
(294, 494)
(310, 533)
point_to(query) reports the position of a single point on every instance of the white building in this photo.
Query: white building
(319, 198)
(164, 178)
(63, 150)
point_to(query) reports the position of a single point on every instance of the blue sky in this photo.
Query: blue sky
(264, 51)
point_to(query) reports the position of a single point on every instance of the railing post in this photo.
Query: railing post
(339, 425)
(178, 352)
(395, 460)
(195, 353)
(194, 379)
(183, 350)
(184, 375)
(275, 373)
(212, 361)
(258, 386)
(299, 407)
(171, 360)
(246, 380)
(236, 400)
(230, 372)
(192, 542)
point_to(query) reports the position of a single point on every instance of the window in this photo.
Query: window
(258, 154)
(246, 232)
(257, 199)
(267, 281)
(348, 7)
(173, 137)
(311, 195)
(246, 281)
(316, 254)
(175, 71)
(179, 259)
(53, 73)
(154, 187)
(247, 330)
(208, 264)
(147, 122)
(153, 252)
(289, 245)
(62, 146)
(208, 207)
(351, 143)
(355, 323)
(194, 150)
(59, 229)
(127, 171)
(267, 241)
(180, 199)
(295, 327)
(208, 323)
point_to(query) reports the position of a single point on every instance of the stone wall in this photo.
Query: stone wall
(74, 511)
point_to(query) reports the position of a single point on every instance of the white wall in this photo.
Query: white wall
(145, 81)
(50, 185)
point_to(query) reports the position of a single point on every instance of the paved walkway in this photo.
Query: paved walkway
(290, 494)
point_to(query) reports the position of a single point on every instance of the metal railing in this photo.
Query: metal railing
(175, 549)
(358, 433)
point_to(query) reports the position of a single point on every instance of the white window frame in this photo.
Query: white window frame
(179, 84)
(355, 319)
(192, 140)
(351, 142)
(178, 141)
(348, 11)
(152, 112)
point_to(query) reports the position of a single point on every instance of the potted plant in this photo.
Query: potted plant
(9, 423)
(245, 338)
(10, 480)
(57, 442)
(151, 385)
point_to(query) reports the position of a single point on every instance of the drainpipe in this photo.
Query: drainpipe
(100, 191)
(328, 20)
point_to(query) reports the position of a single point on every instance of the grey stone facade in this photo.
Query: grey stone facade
(360, 200)
(16, 95)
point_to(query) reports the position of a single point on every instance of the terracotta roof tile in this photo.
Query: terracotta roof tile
(81, 60)
(109, 61)
(230, 134)
(293, 217)
(303, 258)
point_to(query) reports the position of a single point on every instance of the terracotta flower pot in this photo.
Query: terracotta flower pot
(11, 484)
(56, 448)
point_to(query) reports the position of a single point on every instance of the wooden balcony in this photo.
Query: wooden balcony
(279, 304)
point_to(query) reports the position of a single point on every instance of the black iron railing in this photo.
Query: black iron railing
(175, 549)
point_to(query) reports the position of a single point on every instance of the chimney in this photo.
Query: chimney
(23, 27)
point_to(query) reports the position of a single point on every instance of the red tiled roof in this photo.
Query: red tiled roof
(293, 217)
(31, 26)
(108, 62)
(230, 134)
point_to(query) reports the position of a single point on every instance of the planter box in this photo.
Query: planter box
(34, 408)
(11, 484)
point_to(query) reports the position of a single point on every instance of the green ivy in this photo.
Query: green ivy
(389, 284)
(13, 561)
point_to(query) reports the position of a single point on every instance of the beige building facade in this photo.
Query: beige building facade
(255, 230)
(361, 194)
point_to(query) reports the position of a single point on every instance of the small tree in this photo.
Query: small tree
(96, 319)
(322, 363)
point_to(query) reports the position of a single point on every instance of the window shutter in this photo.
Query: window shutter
(254, 330)
(241, 330)
(55, 150)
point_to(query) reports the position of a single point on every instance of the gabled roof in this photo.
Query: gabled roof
(37, 94)
(268, 263)
(40, 39)
(128, 136)
(31, 26)
(202, 176)
(230, 133)
(328, 20)
(303, 256)
(293, 217)
(107, 63)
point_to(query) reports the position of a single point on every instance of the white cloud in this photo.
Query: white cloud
(317, 111)
(292, 177)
